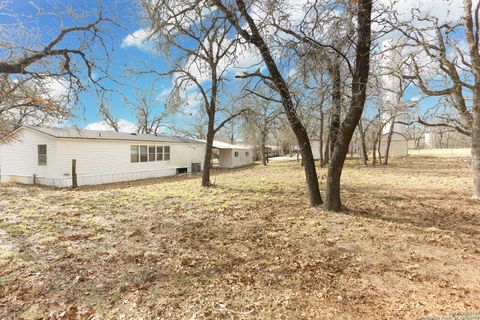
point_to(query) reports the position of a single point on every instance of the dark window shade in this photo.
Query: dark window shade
(151, 153)
(166, 153)
(143, 153)
(159, 153)
(42, 154)
(134, 156)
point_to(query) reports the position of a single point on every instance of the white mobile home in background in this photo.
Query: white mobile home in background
(46, 154)
(232, 155)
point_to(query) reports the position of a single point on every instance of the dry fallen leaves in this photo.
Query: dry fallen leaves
(249, 248)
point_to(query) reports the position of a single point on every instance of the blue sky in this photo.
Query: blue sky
(128, 52)
(122, 57)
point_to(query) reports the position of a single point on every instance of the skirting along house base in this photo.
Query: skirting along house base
(45, 156)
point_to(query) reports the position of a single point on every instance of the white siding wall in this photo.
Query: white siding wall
(315, 145)
(227, 158)
(98, 161)
(20, 159)
(185, 154)
(106, 161)
(398, 145)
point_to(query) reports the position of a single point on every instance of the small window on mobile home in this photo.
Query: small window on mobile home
(166, 153)
(42, 154)
(247, 153)
(134, 156)
(143, 153)
(159, 153)
(151, 153)
(236, 153)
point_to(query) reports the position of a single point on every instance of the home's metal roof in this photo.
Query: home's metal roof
(73, 133)
(224, 145)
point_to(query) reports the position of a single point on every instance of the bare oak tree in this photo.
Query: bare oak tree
(360, 75)
(31, 65)
(196, 37)
(58, 58)
(263, 116)
(238, 13)
(436, 49)
(149, 113)
(310, 33)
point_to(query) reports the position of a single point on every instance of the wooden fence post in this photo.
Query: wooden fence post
(74, 173)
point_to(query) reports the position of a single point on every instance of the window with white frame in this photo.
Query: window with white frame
(134, 154)
(247, 153)
(236, 153)
(143, 153)
(147, 153)
(151, 153)
(42, 154)
(166, 153)
(159, 153)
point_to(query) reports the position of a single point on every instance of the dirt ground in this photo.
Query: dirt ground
(407, 246)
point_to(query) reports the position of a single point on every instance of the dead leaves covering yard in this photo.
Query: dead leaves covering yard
(407, 246)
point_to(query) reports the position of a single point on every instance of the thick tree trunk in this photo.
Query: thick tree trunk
(254, 37)
(379, 148)
(310, 170)
(326, 152)
(471, 34)
(389, 141)
(359, 85)
(207, 161)
(363, 144)
(262, 150)
(476, 155)
(335, 77)
(321, 139)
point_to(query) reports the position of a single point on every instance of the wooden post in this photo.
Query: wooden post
(34, 179)
(74, 173)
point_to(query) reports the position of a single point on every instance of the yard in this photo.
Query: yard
(408, 246)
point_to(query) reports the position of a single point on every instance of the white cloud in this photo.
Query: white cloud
(241, 58)
(165, 92)
(57, 89)
(415, 99)
(138, 39)
(193, 101)
(442, 9)
(124, 126)
(246, 58)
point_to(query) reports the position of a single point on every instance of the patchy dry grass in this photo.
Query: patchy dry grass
(249, 248)
(445, 152)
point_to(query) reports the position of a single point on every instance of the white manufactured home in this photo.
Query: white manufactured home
(44, 156)
(232, 155)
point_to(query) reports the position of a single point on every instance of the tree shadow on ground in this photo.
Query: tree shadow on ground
(445, 212)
